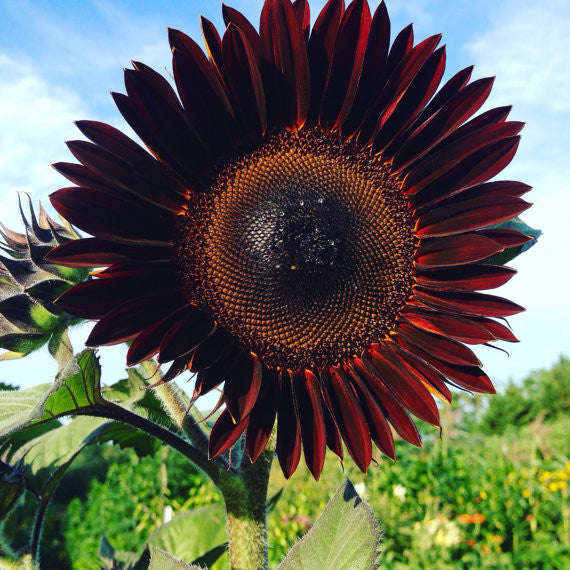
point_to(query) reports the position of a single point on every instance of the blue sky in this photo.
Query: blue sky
(60, 59)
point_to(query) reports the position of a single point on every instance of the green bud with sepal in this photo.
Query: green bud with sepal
(29, 284)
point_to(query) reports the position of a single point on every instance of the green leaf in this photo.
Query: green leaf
(212, 556)
(75, 393)
(106, 552)
(11, 487)
(19, 345)
(130, 393)
(193, 534)
(48, 456)
(509, 254)
(11, 443)
(20, 407)
(272, 501)
(60, 348)
(161, 560)
(125, 436)
(344, 537)
(43, 319)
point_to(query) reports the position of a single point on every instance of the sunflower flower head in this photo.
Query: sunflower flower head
(311, 227)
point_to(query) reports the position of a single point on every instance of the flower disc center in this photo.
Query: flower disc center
(299, 239)
(302, 249)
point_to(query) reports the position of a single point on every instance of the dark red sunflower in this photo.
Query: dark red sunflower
(309, 229)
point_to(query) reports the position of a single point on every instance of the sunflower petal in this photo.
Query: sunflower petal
(94, 298)
(155, 114)
(288, 447)
(213, 44)
(395, 87)
(453, 113)
(242, 385)
(311, 420)
(391, 405)
(147, 343)
(406, 386)
(478, 167)
(372, 76)
(453, 326)
(475, 304)
(225, 433)
(233, 16)
(451, 152)
(500, 331)
(468, 215)
(211, 350)
(506, 238)
(193, 328)
(379, 429)
(455, 250)
(346, 65)
(284, 45)
(213, 376)
(262, 417)
(413, 100)
(303, 14)
(126, 321)
(441, 347)
(428, 376)
(320, 51)
(245, 80)
(466, 278)
(95, 252)
(204, 98)
(350, 418)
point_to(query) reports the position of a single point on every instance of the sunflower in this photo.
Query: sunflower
(309, 230)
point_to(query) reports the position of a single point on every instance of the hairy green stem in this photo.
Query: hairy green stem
(212, 468)
(177, 405)
(246, 498)
(37, 531)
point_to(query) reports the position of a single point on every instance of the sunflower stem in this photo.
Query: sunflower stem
(177, 405)
(245, 497)
(214, 470)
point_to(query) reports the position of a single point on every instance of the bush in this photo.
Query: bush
(544, 394)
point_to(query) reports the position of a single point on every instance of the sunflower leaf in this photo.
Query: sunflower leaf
(69, 394)
(161, 560)
(21, 344)
(125, 436)
(346, 535)
(47, 457)
(510, 253)
(196, 535)
(60, 348)
(11, 487)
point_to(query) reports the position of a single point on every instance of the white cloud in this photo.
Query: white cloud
(36, 118)
(527, 48)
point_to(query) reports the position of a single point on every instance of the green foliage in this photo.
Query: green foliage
(193, 534)
(38, 451)
(544, 394)
(129, 504)
(73, 392)
(346, 535)
(161, 560)
(463, 501)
